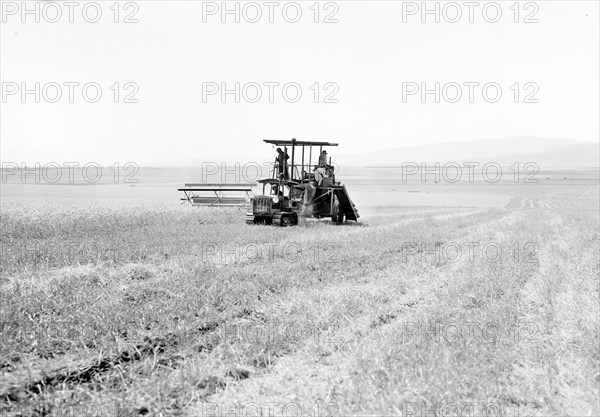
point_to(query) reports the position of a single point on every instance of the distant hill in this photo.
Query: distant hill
(549, 153)
(546, 152)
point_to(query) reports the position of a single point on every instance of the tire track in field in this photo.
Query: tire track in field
(84, 372)
(556, 203)
(420, 213)
(324, 234)
(552, 365)
(421, 217)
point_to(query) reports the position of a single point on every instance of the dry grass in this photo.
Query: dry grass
(162, 310)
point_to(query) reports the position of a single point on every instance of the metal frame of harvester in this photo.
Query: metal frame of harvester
(301, 189)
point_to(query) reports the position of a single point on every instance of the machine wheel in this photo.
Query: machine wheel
(258, 220)
(337, 216)
(294, 219)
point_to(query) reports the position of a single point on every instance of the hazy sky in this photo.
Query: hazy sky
(178, 49)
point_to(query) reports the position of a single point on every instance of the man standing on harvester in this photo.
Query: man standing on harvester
(281, 162)
(323, 159)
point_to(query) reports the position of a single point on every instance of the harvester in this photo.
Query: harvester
(301, 188)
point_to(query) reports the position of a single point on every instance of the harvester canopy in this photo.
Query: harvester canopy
(301, 159)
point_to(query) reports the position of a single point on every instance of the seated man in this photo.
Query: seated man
(275, 190)
(320, 173)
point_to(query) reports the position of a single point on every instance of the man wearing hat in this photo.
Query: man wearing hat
(281, 163)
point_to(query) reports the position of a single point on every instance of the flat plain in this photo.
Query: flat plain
(478, 298)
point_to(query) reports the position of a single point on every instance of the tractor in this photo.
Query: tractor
(300, 188)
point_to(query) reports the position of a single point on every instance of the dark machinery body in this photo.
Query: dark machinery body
(301, 189)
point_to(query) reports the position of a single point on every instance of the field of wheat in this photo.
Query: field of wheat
(157, 309)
